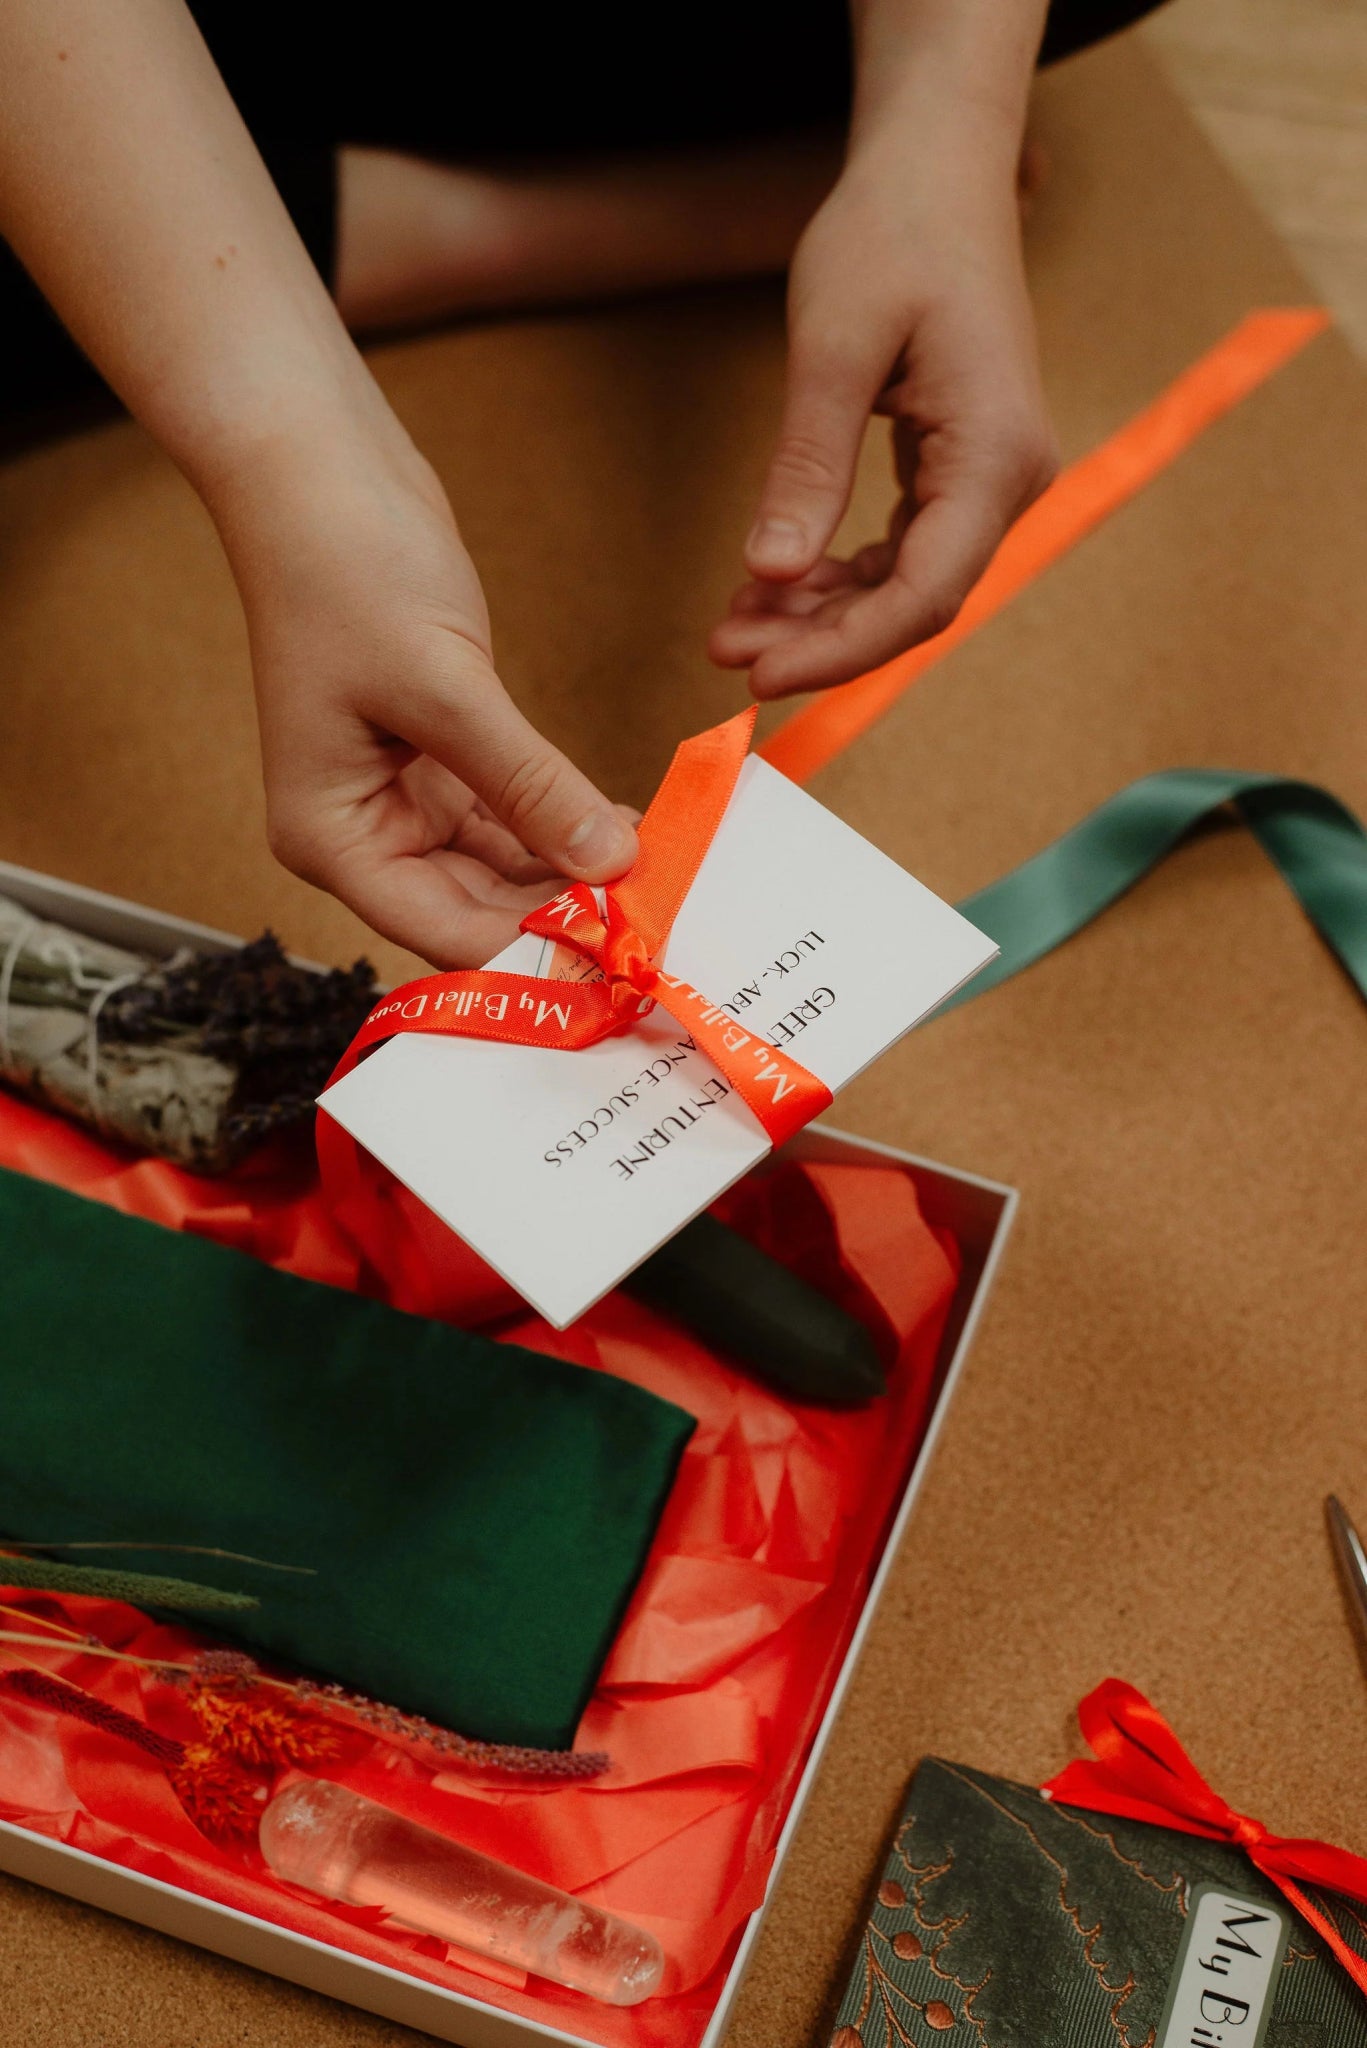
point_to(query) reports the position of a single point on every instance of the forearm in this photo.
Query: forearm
(907, 297)
(959, 68)
(398, 773)
(132, 192)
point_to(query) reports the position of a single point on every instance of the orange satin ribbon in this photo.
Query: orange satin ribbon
(624, 942)
(1143, 1773)
(1088, 491)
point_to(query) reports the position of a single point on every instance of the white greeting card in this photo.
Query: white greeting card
(565, 1169)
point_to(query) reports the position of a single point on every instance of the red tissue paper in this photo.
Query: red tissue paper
(716, 1684)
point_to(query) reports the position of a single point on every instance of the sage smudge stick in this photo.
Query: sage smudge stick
(196, 1058)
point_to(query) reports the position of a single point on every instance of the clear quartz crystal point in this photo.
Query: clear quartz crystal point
(333, 1841)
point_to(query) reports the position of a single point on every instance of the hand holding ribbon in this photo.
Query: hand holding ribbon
(1141, 1772)
(625, 940)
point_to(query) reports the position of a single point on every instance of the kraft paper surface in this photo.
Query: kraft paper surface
(1169, 1378)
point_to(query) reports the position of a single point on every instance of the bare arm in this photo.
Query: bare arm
(132, 192)
(398, 773)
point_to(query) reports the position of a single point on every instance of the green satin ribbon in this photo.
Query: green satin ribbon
(1315, 841)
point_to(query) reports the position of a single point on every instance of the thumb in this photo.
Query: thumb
(829, 398)
(476, 731)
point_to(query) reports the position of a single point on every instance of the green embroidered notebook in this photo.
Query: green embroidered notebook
(476, 1515)
(1004, 1921)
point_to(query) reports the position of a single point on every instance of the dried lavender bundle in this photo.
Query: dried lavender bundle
(197, 1058)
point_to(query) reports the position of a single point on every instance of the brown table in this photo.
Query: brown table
(1171, 1376)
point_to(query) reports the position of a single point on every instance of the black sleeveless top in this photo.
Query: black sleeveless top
(498, 80)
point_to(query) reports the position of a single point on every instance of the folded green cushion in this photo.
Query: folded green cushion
(477, 1514)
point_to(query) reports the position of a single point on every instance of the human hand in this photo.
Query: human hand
(907, 298)
(399, 774)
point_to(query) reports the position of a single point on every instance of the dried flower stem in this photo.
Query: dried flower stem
(81, 1646)
(45, 1689)
(446, 1747)
(18, 1614)
(139, 1589)
(266, 1564)
(401, 1731)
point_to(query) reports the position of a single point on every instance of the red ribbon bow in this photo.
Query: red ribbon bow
(625, 942)
(1142, 1772)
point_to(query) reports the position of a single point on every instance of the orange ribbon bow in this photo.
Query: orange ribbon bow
(1142, 1772)
(625, 942)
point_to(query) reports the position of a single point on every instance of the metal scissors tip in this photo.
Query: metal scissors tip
(1351, 1556)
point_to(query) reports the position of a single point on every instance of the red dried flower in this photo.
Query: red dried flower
(258, 1729)
(220, 1797)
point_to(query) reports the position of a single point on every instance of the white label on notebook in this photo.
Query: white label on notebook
(1225, 1980)
(565, 1169)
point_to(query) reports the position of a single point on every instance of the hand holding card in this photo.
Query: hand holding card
(566, 1127)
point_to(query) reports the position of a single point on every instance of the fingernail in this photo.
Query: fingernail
(780, 542)
(599, 841)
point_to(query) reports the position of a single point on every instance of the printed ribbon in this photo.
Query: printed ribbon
(1316, 843)
(1143, 1773)
(625, 942)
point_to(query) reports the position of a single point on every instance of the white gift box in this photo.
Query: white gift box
(977, 1212)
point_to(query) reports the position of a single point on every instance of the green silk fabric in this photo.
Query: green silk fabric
(477, 1515)
(1315, 841)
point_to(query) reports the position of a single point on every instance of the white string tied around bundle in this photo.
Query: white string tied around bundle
(58, 951)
